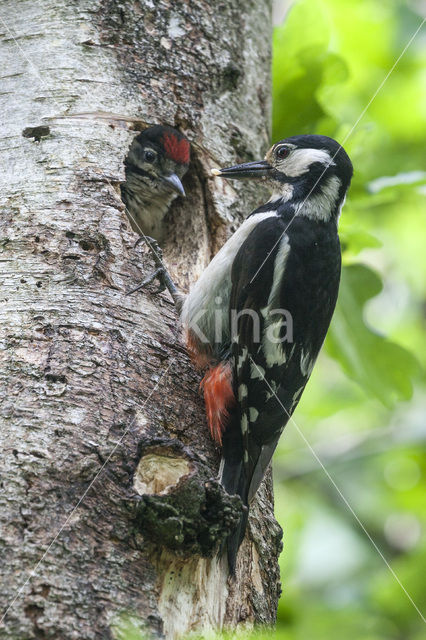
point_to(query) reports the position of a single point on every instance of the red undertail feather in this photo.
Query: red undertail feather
(200, 353)
(177, 150)
(219, 398)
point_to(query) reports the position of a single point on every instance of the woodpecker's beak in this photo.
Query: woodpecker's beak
(247, 170)
(174, 183)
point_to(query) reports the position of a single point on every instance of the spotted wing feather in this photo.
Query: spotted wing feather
(273, 374)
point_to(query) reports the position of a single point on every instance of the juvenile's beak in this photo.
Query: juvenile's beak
(174, 183)
(255, 169)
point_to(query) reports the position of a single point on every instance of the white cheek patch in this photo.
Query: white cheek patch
(284, 195)
(300, 160)
(322, 205)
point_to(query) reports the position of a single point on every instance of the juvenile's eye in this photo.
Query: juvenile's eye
(283, 152)
(149, 155)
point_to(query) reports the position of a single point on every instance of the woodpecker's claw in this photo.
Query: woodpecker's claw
(160, 273)
(152, 244)
(157, 274)
(166, 282)
(138, 241)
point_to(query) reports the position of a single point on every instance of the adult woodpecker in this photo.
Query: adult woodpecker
(271, 290)
(158, 159)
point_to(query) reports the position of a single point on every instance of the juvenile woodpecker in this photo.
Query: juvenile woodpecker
(158, 159)
(258, 315)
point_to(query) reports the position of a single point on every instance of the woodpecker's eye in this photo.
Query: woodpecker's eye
(283, 152)
(149, 155)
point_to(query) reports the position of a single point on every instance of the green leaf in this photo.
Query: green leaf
(355, 240)
(406, 179)
(384, 369)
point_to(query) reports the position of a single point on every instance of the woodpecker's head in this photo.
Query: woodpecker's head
(310, 172)
(157, 161)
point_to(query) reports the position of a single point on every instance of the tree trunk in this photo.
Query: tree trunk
(109, 502)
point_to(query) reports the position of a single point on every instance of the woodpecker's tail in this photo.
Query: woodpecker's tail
(234, 541)
(241, 475)
(233, 477)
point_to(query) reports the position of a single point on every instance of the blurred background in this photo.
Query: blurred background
(363, 414)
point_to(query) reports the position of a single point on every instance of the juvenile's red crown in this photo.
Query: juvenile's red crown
(175, 148)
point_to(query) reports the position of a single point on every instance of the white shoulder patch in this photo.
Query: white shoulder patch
(274, 322)
(199, 307)
(279, 267)
(272, 347)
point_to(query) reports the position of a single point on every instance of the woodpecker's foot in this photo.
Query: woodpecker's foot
(161, 274)
(158, 274)
(152, 244)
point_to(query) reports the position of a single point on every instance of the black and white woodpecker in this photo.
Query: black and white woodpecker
(272, 289)
(158, 159)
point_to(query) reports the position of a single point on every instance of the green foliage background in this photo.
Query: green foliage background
(364, 410)
(350, 470)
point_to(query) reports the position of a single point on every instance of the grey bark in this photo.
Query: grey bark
(108, 500)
